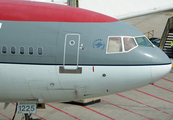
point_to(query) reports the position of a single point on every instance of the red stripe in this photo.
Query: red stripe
(167, 80)
(154, 96)
(137, 102)
(163, 88)
(21, 10)
(5, 116)
(171, 72)
(39, 117)
(128, 110)
(93, 68)
(98, 113)
(144, 104)
(63, 111)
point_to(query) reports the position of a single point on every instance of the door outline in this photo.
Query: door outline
(69, 67)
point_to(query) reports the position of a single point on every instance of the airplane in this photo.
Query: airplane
(56, 53)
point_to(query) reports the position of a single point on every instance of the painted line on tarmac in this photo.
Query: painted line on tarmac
(63, 111)
(171, 72)
(5, 116)
(162, 88)
(39, 117)
(128, 110)
(144, 104)
(167, 80)
(98, 113)
(154, 96)
(33, 113)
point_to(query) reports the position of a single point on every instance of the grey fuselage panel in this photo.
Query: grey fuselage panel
(50, 36)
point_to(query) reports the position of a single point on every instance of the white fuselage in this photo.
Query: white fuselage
(44, 83)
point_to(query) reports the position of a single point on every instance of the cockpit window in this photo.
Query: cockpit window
(114, 45)
(143, 41)
(129, 43)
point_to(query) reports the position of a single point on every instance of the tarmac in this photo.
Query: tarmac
(152, 102)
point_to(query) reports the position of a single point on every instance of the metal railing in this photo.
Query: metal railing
(168, 26)
(149, 34)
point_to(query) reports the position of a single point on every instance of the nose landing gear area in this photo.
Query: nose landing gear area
(28, 117)
(150, 102)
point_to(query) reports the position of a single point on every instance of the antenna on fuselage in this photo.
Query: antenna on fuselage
(73, 3)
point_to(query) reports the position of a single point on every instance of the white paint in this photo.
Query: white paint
(22, 82)
(72, 42)
(66, 67)
(157, 72)
(0, 25)
(71, 67)
(126, 8)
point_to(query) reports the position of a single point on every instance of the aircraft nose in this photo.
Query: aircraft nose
(159, 71)
(161, 65)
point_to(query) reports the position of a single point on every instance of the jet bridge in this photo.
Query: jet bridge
(167, 37)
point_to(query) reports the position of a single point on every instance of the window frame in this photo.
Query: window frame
(23, 50)
(147, 39)
(41, 51)
(132, 47)
(122, 44)
(6, 49)
(29, 51)
(108, 45)
(14, 50)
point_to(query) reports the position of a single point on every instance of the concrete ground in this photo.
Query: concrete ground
(152, 102)
(155, 21)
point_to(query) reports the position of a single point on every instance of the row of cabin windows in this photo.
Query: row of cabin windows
(22, 50)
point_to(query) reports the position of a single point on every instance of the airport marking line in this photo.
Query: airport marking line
(63, 112)
(5, 116)
(171, 72)
(39, 117)
(98, 113)
(154, 96)
(144, 104)
(167, 80)
(33, 113)
(170, 14)
(128, 110)
(162, 88)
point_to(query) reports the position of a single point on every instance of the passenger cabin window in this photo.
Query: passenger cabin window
(31, 50)
(4, 49)
(114, 45)
(22, 50)
(129, 43)
(40, 51)
(143, 41)
(13, 50)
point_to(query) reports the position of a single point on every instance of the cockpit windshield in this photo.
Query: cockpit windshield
(115, 45)
(119, 44)
(129, 43)
(143, 41)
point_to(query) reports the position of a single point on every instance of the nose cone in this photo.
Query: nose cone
(159, 71)
(160, 65)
